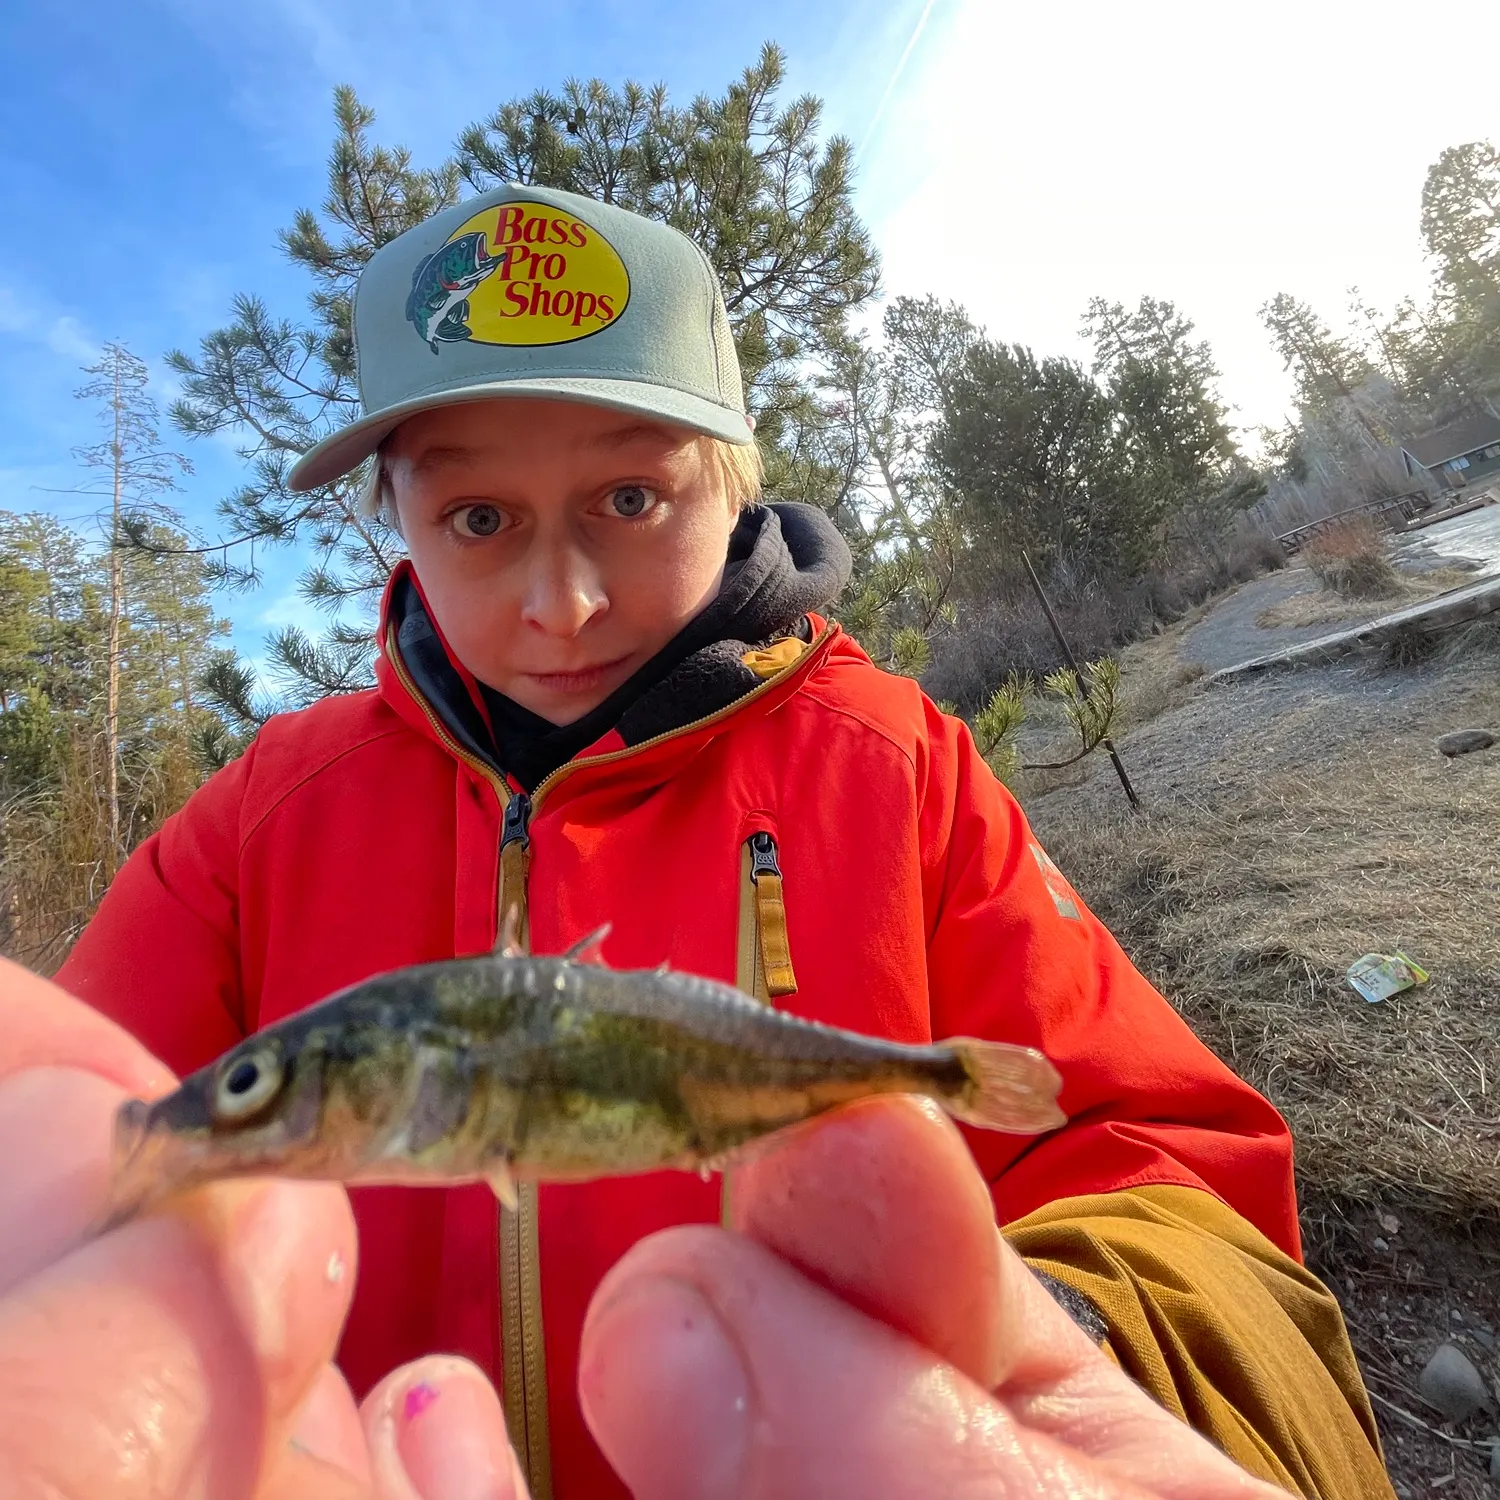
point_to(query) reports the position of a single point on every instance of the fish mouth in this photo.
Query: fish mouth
(176, 1144)
(140, 1169)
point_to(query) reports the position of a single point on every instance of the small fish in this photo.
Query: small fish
(506, 1068)
(438, 303)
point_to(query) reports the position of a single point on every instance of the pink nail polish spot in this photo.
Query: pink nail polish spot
(418, 1399)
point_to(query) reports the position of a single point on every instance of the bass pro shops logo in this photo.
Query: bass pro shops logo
(518, 273)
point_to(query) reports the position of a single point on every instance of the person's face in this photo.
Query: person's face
(560, 546)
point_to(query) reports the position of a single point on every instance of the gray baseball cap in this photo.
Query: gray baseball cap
(528, 291)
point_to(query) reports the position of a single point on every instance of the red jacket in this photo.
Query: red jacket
(357, 836)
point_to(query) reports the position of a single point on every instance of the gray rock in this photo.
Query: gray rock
(1379, 1245)
(1450, 1384)
(1462, 741)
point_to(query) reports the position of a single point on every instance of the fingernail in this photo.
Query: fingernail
(665, 1391)
(448, 1434)
(328, 1427)
(55, 1178)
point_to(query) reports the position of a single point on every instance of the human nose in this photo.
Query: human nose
(564, 590)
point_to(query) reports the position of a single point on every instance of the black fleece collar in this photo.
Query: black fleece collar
(784, 560)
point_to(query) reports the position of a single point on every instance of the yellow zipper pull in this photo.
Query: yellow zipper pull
(770, 917)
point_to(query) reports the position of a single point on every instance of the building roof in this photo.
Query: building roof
(1453, 441)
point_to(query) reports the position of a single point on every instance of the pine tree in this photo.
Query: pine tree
(1461, 230)
(909, 541)
(1035, 456)
(64, 822)
(1164, 382)
(1461, 220)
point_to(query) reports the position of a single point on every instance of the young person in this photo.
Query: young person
(608, 691)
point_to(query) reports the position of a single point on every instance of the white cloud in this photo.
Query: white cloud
(40, 325)
(291, 608)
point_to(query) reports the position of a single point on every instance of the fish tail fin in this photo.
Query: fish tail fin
(1008, 1088)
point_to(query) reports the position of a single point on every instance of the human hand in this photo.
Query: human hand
(867, 1333)
(187, 1354)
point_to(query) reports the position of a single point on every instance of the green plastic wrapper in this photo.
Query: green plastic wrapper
(1378, 976)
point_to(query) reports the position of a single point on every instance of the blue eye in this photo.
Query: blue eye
(632, 500)
(477, 520)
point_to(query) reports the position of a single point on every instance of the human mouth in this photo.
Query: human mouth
(583, 680)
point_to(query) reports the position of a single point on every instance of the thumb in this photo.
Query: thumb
(881, 1204)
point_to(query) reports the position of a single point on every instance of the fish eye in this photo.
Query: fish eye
(631, 500)
(248, 1083)
(477, 520)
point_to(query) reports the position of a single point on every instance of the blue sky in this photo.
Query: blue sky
(1025, 158)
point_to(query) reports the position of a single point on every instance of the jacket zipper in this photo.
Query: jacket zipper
(515, 862)
(523, 1343)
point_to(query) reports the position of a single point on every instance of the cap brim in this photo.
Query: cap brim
(345, 449)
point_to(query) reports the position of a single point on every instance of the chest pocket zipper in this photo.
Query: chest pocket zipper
(771, 974)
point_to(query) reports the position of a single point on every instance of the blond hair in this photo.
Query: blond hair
(736, 469)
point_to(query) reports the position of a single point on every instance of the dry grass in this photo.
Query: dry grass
(1352, 559)
(1248, 893)
(1330, 607)
(1322, 608)
(1153, 679)
(1293, 823)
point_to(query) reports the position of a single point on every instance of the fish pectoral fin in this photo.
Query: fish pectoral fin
(580, 950)
(744, 1153)
(503, 1185)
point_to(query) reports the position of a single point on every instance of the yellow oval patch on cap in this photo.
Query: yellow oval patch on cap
(518, 273)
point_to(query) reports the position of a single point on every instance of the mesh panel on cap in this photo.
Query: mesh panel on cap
(725, 359)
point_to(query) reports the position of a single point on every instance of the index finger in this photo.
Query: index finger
(44, 1026)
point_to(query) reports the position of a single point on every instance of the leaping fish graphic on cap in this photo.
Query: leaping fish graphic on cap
(438, 303)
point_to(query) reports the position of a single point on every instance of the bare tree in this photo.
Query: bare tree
(137, 467)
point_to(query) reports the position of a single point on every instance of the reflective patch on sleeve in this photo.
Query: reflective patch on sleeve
(1063, 896)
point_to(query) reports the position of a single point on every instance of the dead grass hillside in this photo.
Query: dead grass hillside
(1294, 821)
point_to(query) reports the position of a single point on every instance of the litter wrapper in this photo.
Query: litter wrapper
(1378, 976)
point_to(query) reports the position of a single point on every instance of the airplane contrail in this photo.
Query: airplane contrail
(895, 78)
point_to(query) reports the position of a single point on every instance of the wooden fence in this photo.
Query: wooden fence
(1390, 511)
